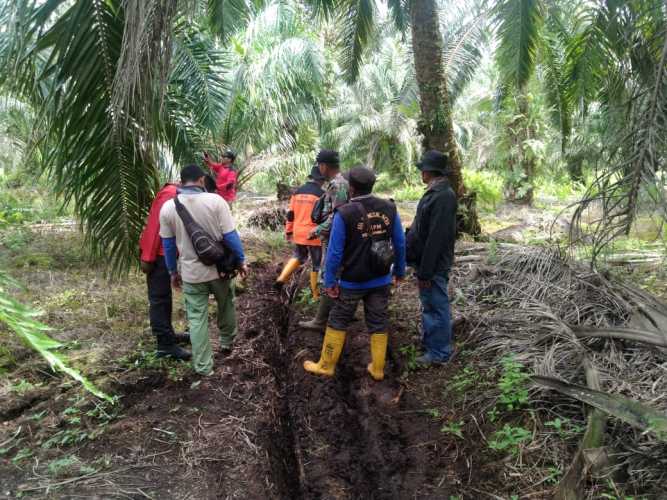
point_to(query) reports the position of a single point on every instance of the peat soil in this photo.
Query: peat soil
(260, 427)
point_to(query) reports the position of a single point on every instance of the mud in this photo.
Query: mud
(260, 427)
(354, 437)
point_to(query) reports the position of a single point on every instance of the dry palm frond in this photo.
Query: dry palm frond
(550, 314)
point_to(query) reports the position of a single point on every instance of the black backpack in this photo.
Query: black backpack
(209, 250)
(382, 249)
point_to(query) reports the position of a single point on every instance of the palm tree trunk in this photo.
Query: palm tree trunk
(436, 124)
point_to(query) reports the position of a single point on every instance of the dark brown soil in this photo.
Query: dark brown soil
(260, 427)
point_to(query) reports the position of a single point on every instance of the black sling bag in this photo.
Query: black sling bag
(208, 249)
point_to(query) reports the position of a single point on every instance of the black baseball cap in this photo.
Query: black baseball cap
(328, 156)
(229, 153)
(434, 161)
(315, 173)
(191, 173)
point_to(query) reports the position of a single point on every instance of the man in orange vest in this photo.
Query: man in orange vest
(298, 228)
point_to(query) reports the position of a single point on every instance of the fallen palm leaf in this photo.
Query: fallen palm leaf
(645, 336)
(631, 412)
(21, 320)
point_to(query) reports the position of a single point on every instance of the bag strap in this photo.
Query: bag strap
(188, 221)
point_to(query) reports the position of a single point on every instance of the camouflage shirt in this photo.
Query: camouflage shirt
(336, 194)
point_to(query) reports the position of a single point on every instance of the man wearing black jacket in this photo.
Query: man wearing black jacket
(430, 250)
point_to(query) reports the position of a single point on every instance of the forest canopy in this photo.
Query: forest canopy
(110, 98)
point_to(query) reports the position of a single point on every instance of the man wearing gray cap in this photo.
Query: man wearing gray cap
(366, 246)
(430, 250)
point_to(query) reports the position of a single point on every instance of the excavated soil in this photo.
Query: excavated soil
(259, 427)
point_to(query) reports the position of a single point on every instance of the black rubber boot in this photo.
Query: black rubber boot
(182, 338)
(319, 322)
(167, 348)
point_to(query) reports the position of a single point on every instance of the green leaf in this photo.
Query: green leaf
(21, 320)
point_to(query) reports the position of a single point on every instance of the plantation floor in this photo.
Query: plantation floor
(260, 427)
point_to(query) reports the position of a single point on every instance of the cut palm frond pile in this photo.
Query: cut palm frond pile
(271, 218)
(555, 317)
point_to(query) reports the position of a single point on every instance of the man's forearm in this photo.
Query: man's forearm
(234, 241)
(170, 254)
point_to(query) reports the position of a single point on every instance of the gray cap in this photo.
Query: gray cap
(360, 177)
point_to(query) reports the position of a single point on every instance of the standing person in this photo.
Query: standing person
(225, 175)
(158, 281)
(199, 280)
(298, 228)
(430, 250)
(336, 194)
(357, 226)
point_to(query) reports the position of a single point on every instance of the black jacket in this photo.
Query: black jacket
(430, 241)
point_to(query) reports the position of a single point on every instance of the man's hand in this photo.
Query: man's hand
(333, 292)
(147, 267)
(243, 271)
(424, 284)
(176, 281)
(313, 234)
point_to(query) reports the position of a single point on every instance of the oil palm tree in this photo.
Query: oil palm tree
(121, 82)
(374, 120)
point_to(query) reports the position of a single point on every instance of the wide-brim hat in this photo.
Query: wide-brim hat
(434, 161)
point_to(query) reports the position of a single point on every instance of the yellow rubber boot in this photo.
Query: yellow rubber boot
(378, 355)
(291, 266)
(331, 349)
(314, 285)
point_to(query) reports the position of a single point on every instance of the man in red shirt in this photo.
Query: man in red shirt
(225, 176)
(159, 281)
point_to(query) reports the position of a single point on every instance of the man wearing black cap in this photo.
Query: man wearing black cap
(430, 250)
(199, 280)
(360, 250)
(298, 227)
(225, 175)
(336, 194)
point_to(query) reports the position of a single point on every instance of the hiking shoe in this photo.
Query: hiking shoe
(173, 351)
(426, 360)
(182, 338)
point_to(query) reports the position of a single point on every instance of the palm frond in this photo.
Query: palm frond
(555, 86)
(632, 412)
(22, 321)
(226, 17)
(105, 167)
(198, 93)
(519, 23)
(357, 23)
(632, 173)
(465, 37)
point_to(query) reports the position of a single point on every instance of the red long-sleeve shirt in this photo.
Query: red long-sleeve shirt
(225, 180)
(150, 243)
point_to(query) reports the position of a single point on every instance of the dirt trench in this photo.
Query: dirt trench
(260, 427)
(349, 436)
